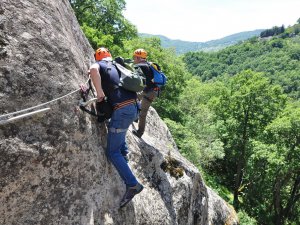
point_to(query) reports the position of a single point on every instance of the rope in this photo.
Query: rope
(3, 122)
(37, 106)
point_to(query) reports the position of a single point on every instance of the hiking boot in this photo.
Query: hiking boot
(130, 193)
(137, 133)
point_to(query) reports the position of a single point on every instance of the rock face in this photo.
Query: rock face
(53, 166)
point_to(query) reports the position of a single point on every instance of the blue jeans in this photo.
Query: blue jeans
(116, 143)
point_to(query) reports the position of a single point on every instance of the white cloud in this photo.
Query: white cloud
(203, 20)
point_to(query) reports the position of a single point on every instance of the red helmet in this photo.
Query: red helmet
(102, 53)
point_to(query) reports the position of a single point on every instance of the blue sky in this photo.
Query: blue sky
(204, 20)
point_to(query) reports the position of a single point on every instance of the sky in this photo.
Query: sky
(205, 20)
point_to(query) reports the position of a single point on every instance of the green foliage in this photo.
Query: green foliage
(186, 141)
(278, 59)
(103, 22)
(215, 182)
(96, 37)
(245, 219)
(250, 103)
(291, 31)
(239, 109)
(275, 167)
(277, 43)
(271, 32)
(260, 134)
(200, 119)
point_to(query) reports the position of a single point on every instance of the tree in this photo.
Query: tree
(275, 169)
(285, 132)
(194, 101)
(103, 22)
(250, 103)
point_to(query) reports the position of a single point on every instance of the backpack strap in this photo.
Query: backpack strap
(155, 66)
(142, 64)
(116, 66)
(111, 87)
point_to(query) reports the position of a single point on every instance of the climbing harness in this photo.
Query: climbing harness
(125, 103)
(10, 117)
(117, 130)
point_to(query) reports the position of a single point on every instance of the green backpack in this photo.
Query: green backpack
(130, 80)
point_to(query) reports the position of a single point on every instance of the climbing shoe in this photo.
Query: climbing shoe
(130, 193)
(137, 133)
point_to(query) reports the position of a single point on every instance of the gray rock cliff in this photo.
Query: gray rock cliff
(52, 165)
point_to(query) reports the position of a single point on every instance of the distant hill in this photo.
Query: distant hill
(182, 47)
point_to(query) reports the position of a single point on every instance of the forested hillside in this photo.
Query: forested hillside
(234, 113)
(246, 97)
(277, 57)
(182, 47)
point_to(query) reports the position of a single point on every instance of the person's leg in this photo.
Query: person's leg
(119, 123)
(148, 98)
(140, 95)
(124, 151)
(114, 143)
(118, 126)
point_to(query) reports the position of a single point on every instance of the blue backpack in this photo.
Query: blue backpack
(159, 78)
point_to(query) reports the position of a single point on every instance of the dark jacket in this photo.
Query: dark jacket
(148, 74)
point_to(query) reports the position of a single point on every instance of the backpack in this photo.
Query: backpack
(159, 78)
(130, 80)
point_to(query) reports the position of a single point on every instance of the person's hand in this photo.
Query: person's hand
(100, 97)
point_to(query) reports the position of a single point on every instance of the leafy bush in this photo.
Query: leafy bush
(245, 219)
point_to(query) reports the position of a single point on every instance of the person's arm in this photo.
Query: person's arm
(96, 79)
